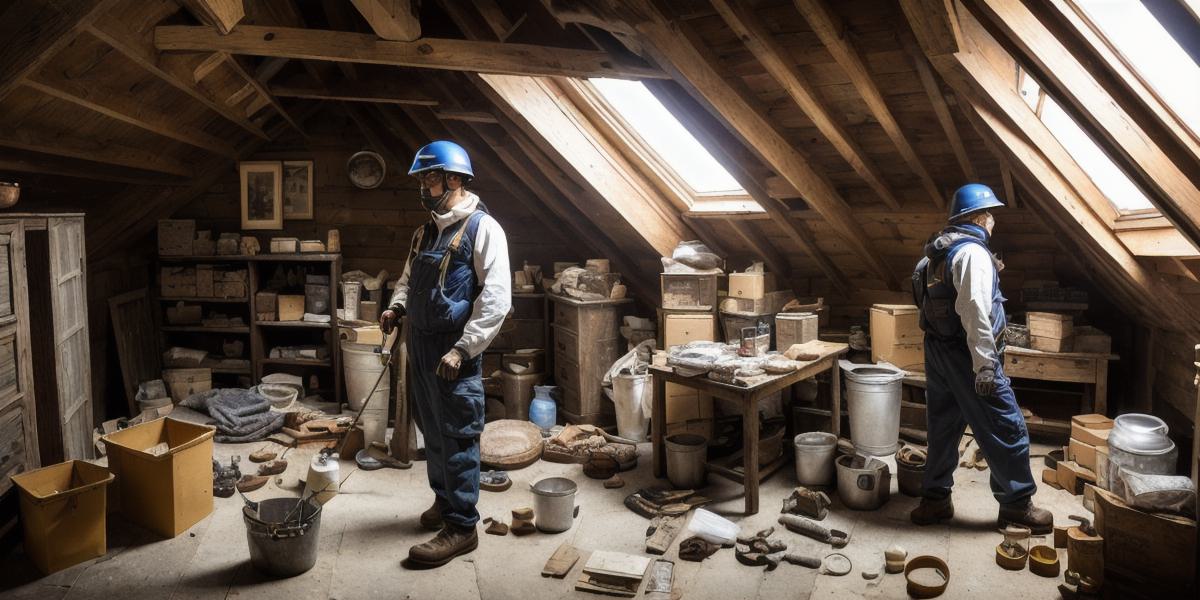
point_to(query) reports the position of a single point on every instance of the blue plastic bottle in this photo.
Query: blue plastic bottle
(542, 410)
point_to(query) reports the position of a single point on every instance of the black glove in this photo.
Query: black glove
(985, 381)
(390, 318)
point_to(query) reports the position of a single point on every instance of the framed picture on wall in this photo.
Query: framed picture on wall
(262, 195)
(297, 189)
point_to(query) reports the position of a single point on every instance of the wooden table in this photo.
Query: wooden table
(1087, 368)
(750, 475)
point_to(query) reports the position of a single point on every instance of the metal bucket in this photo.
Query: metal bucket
(686, 454)
(815, 451)
(863, 488)
(554, 504)
(362, 369)
(873, 396)
(283, 549)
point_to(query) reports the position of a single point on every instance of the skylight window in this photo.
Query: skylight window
(1107, 176)
(674, 146)
(1152, 52)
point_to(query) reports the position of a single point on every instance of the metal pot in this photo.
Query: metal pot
(686, 455)
(283, 536)
(1139, 443)
(554, 504)
(873, 398)
(865, 487)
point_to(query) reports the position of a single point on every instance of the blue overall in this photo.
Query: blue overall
(449, 413)
(951, 400)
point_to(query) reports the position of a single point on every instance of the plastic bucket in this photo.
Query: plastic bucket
(686, 454)
(554, 504)
(873, 396)
(361, 365)
(628, 392)
(815, 452)
(279, 548)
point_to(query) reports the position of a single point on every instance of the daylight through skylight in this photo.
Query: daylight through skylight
(667, 137)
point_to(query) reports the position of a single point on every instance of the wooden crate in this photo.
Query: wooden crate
(685, 291)
(1090, 339)
(1049, 325)
(896, 336)
(178, 282)
(794, 328)
(175, 237)
(1049, 344)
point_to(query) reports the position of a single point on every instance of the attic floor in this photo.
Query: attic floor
(367, 530)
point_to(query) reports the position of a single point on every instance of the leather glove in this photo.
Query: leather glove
(985, 381)
(389, 319)
(451, 362)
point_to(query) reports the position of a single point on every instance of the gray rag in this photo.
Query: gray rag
(241, 415)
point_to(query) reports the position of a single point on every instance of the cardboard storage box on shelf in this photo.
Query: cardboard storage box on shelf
(63, 513)
(169, 492)
(896, 336)
(204, 247)
(1146, 547)
(229, 289)
(683, 403)
(794, 328)
(770, 303)
(178, 282)
(688, 291)
(265, 306)
(175, 237)
(285, 245)
(182, 383)
(291, 307)
(751, 285)
(205, 281)
(1092, 340)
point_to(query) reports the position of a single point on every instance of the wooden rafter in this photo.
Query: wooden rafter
(383, 92)
(691, 66)
(81, 169)
(33, 32)
(429, 53)
(238, 65)
(741, 18)
(833, 35)
(933, 90)
(223, 15)
(394, 20)
(1136, 150)
(101, 151)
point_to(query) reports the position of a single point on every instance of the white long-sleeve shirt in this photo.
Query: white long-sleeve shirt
(971, 273)
(491, 270)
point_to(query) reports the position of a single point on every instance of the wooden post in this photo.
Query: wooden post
(658, 425)
(835, 386)
(750, 452)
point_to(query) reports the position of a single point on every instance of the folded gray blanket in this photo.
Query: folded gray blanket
(240, 415)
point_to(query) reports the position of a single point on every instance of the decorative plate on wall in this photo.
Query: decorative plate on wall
(366, 169)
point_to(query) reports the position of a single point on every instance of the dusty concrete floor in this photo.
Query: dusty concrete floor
(366, 532)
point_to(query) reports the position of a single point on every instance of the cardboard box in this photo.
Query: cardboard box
(1050, 325)
(1049, 344)
(1071, 476)
(285, 245)
(168, 493)
(1082, 454)
(291, 307)
(1159, 550)
(751, 285)
(686, 291)
(1050, 478)
(182, 383)
(770, 303)
(229, 289)
(204, 281)
(684, 403)
(178, 282)
(794, 328)
(314, 246)
(175, 237)
(896, 336)
(1091, 429)
(63, 513)
(204, 247)
(266, 302)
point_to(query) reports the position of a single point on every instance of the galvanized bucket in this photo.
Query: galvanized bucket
(283, 535)
(873, 395)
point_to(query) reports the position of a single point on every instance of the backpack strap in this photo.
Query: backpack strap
(454, 245)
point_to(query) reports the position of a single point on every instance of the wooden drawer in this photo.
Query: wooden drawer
(12, 446)
(1050, 368)
(566, 343)
(566, 373)
(599, 322)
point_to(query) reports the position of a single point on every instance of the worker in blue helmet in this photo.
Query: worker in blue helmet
(455, 292)
(957, 287)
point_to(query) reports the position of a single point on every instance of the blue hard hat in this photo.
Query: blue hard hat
(972, 198)
(444, 155)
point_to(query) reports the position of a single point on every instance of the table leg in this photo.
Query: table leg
(658, 425)
(1101, 390)
(835, 386)
(750, 452)
(789, 414)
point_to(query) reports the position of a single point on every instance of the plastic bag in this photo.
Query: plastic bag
(1160, 493)
(696, 255)
(713, 528)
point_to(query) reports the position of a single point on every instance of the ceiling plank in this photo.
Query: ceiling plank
(101, 151)
(935, 24)
(429, 53)
(33, 32)
(754, 34)
(692, 68)
(394, 20)
(178, 71)
(243, 71)
(81, 169)
(1090, 104)
(223, 15)
(933, 89)
(383, 92)
(832, 32)
(98, 97)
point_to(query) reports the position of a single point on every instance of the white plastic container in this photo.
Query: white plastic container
(873, 397)
(629, 392)
(712, 527)
(323, 479)
(362, 368)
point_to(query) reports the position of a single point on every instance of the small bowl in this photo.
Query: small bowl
(9, 193)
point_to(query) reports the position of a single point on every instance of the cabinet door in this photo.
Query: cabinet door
(18, 430)
(68, 299)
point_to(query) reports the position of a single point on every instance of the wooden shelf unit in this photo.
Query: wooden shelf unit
(260, 330)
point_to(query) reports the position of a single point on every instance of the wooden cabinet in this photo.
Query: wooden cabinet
(18, 426)
(586, 343)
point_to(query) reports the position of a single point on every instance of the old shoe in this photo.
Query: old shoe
(431, 519)
(932, 511)
(451, 541)
(1023, 512)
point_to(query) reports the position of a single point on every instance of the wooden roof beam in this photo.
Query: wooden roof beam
(933, 89)
(101, 151)
(935, 24)
(395, 20)
(673, 50)
(34, 31)
(81, 169)
(428, 53)
(1131, 146)
(223, 15)
(382, 92)
(833, 35)
(243, 71)
(741, 18)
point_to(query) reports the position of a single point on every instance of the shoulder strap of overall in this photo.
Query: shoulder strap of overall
(456, 242)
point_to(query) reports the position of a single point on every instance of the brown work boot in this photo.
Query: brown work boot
(431, 519)
(1023, 512)
(451, 541)
(932, 511)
